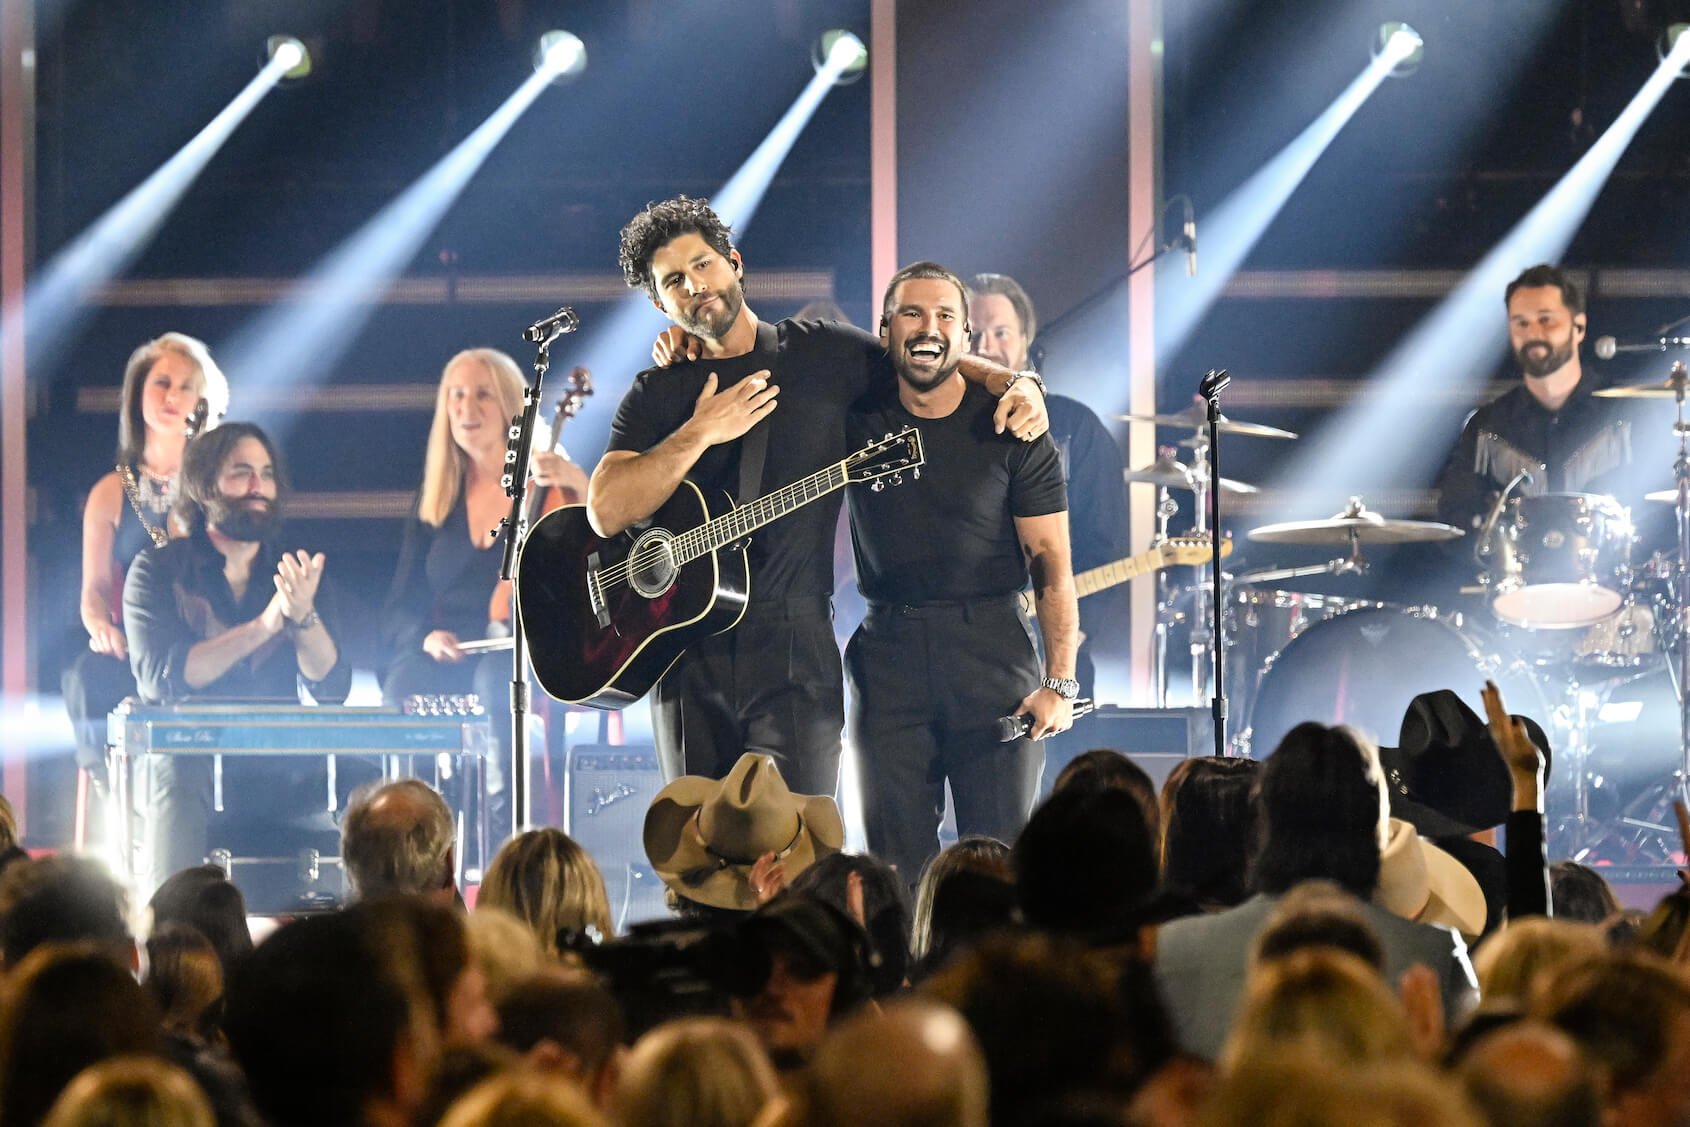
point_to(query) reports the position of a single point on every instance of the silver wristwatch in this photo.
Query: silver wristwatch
(1026, 374)
(1065, 687)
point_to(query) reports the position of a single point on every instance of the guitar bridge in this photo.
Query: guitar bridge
(595, 592)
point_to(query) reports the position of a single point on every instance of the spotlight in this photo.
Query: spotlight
(841, 53)
(1671, 40)
(1399, 45)
(289, 54)
(560, 54)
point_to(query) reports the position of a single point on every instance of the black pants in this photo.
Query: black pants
(771, 685)
(93, 685)
(928, 685)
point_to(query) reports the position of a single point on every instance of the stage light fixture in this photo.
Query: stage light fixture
(841, 53)
(560, 54)
(1669, 41)
(1401, 46)
(289, 55)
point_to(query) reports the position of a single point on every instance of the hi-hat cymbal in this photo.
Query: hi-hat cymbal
(1359, 524)
(1196, 417)
(1673, 387)
(1170, 471)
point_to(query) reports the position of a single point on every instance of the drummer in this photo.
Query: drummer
(1549, 428)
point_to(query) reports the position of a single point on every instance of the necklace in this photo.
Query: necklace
(162, 496)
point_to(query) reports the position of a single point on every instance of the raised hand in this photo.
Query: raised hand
(673, 345)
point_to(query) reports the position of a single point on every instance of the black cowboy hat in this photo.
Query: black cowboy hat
(1445, 776)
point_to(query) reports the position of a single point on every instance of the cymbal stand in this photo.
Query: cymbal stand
(1166, 615)
(1204, 611)
(1679, 380)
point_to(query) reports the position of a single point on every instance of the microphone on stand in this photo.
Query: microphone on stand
(1190, 231)
(1607, 348)
(563, 321)
(1014, 727)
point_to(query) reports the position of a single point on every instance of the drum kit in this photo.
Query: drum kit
(1566, 619)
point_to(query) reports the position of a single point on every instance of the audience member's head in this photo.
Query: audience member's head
(1322, 1001)
(505, 950)
(1630, 1013)
(1515, 962)
(131, 1091)
(185, 978)
(1105, 768)
(545, 878)
(454, 987)
(703, 835)
(397, 839)
(1578, 892)
(885, 906)
(1419, 881)
(915, 1065)
(810, 968)
(1208, 825)
(1663, 930)
(1531, 1075)
(568, 1022)
(331, 1024)
(1299, 1090)
(1321, 801)
(1076, 1019)
(460, 1069)
(205, 899)
(1086, 865)
(979, 878)
(520, 1098)
(61, 899)
(1318, 913)
(697, 1072)
(66, 1007)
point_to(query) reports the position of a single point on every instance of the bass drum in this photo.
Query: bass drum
(1363, 667)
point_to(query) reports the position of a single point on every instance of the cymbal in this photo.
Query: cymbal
(1196, 417)
(1171, 472)
(1363, 525)
(1672, 388)
(1670, 496)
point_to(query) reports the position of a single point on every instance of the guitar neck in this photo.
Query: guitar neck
(748, 518)
(1105, 576)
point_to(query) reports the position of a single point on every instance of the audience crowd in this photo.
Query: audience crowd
(1338, 934)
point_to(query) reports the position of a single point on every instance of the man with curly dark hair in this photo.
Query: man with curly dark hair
(773, 684)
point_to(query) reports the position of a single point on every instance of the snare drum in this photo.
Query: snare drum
(1560, 560)
(1363, 667)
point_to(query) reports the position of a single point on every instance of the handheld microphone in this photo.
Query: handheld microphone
(563, 321)
(1014, 727)
(1607, 348)
(1190, 231)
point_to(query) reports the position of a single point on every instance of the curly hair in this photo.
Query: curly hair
(660, 224)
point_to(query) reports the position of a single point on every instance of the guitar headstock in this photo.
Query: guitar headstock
(1190, 551)
(887, 457)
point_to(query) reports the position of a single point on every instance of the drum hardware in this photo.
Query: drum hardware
(1196, 418)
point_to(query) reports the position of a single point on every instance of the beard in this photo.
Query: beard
(1539, 358)
(924, 379)
(237, 520)
(713, 324)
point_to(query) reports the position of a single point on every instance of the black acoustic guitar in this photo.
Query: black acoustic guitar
(605, 617)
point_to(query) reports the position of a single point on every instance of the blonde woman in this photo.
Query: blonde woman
(697, 1072)
(449, 561)
(547, 880)
(172, 390)
(1323, 1001)
(131, 1091)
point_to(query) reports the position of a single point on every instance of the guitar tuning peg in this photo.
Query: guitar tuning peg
(898, 478)
(888, 434)
(916, 473)
(876, 486)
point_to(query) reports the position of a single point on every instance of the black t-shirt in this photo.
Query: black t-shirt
(949, 534)
(443, 582)
(821, 367)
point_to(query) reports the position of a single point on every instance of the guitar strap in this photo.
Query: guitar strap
(755, 447)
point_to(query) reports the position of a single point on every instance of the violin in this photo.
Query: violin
(576, 388)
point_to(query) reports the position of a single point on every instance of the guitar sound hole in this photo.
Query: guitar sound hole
(651, 565)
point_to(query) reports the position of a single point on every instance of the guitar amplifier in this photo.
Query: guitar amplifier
(1154, 738)
(609, 790)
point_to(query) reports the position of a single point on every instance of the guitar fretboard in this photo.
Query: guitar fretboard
(748, 518)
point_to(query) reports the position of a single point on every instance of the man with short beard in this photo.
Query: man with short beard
(945, 650)
(225, 613)
(1550, 425)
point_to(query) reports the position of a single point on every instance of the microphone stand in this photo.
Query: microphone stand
(513, 527)
(1210, 389)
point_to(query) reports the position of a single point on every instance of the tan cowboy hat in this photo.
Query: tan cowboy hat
(1420, 882)
(703, 835)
